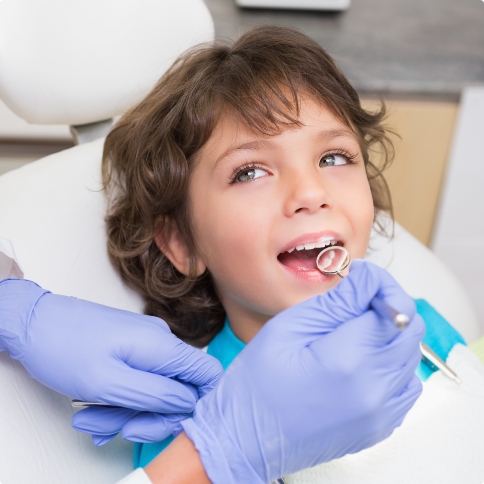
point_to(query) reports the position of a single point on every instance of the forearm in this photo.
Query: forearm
(178, 464)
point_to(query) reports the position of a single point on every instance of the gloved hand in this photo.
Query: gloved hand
(96, 353)
(105, 423)
(322, 379)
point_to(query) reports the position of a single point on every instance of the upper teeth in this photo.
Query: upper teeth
(321, 243)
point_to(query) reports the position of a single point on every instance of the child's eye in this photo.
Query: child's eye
(248, 173)
(333, 160)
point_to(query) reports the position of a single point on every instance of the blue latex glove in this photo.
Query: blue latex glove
(95, 353)
(322, 379)
(105, 423)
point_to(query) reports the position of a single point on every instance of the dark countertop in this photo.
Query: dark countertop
(429, 48)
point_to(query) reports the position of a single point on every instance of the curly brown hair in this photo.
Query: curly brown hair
(148, 156)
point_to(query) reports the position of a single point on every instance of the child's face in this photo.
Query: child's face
(254, 198)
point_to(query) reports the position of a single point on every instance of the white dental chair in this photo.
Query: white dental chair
(82, 67)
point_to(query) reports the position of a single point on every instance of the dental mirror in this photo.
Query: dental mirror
(333, 260)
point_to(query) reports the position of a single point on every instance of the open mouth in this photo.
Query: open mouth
(303, 257)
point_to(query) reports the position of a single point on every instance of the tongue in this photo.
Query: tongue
(302, 260)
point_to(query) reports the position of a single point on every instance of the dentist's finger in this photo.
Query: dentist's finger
(397, 409)
(406, 343)
(367, 336)
(366, 280)
(105, 423)
(407, 398)
(151, 427)
(102, 420)
(99, 440)
(400, 377)
(144, 391)
(171, 357)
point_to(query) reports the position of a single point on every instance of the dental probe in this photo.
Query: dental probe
(82, 404)
(438, 362)
(332, 265)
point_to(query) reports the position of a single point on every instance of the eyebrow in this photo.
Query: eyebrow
(324, 135)
(327, 135)
(249, 146)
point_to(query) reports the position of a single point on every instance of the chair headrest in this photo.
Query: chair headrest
(78, 62)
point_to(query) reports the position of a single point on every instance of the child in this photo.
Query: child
(231, 176)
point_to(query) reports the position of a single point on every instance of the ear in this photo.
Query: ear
(170, 241)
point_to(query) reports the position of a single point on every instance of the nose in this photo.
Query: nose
(306, 193)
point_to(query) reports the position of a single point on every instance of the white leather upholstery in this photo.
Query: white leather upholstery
(52, 211)
(77, 62)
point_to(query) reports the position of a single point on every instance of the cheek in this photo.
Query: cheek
(364, 217)
(228, 234)
(365, 203)
(358, 205)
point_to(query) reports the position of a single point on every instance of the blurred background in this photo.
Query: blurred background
(425, 60)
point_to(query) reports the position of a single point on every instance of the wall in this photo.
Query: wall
(459, 235)
(424, 133)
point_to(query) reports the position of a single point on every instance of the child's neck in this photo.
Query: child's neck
(244, 333)
(246, 325)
